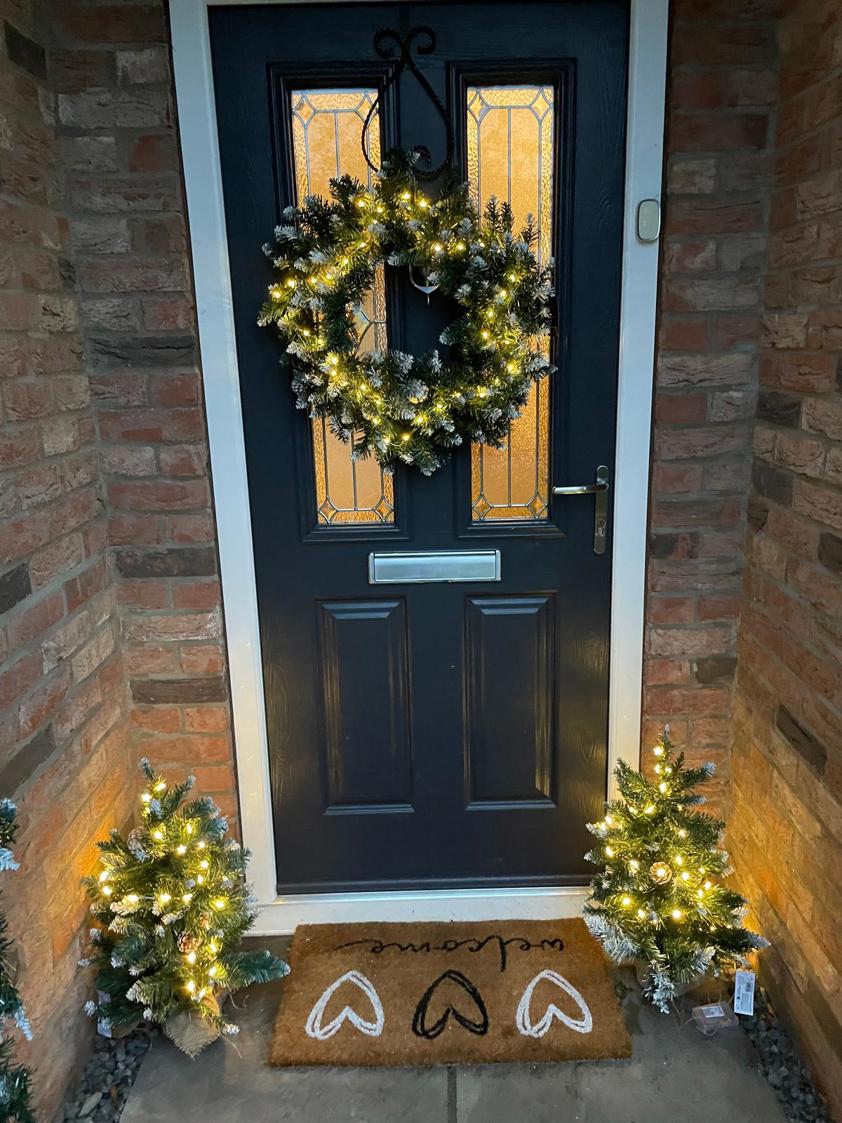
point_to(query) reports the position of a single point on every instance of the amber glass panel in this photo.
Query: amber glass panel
(326, 126)
(510, 156)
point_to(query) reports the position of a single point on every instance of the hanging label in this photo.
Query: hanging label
(744, 992)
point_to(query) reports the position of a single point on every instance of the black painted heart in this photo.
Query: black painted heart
(463, 1002)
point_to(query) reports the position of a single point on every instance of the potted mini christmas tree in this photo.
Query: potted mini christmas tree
(15, 1106)
(659, 899)
(172, 904)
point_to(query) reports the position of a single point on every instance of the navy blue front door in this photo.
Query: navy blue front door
(432, 734)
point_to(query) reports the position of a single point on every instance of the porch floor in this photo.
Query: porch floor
(674, 1076)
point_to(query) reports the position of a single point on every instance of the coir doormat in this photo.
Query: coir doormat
(428, 994)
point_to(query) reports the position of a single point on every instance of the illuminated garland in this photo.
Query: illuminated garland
(400, 408)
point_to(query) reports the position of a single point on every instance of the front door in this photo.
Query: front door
(433, 723)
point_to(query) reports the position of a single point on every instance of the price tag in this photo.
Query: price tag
(744, 992)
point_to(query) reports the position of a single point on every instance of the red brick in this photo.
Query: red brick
(207, 719)
(175, 390)
(151, 425)
(25, 400)
(144, 594)
(719, 608)
(674, 479)
(721, 44)
(159, 719)
(671, 610)
(824, 330)
(188, 529)
(706, 640)
(149, 659)
(18, 678)
(698, 255)
(713, 216)
(18, 447)
(163, 495)
(19, 537)
(168, 314)
(668, 700)
(35, 711)
(135, 530)
(196, 594)
(202, 659)
(184, 460)
(35, 619)
(153, 153)
(680, 409)
(663, 672)
(683, 335)
(730, 331)
(114, 23)
(717, 132)
(678, 444)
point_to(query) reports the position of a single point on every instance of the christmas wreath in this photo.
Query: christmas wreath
(400, 408)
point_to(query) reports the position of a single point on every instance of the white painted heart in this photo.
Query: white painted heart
(523, 1019)
(314, 1027)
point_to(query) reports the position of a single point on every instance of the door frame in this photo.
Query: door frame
(214, 303)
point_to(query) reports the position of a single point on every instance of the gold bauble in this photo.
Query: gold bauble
(660, 873)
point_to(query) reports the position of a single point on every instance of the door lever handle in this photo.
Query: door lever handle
(581, 489)
(599, 489)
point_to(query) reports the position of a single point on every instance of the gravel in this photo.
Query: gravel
(782, 1066)
(109, 1074)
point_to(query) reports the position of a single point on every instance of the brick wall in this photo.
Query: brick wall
(115, 112)
(63, 702)
(786, 821)
(721, 90)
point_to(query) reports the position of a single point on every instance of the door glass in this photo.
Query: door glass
(510, 140)
(326, 127)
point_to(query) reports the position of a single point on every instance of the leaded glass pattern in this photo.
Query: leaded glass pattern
(510, 155)
(326, 127)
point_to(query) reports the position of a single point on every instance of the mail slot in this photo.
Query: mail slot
(416, 567)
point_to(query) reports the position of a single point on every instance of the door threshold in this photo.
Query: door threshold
(281, 916)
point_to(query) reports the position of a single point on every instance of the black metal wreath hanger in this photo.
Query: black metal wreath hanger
(387, 43)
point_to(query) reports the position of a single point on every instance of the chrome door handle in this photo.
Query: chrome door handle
(599, 489)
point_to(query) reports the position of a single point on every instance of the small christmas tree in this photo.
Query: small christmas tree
(14, 1078)
(659, 898)
(173, 905)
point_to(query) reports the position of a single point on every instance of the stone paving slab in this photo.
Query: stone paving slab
(230, 1082)
(675, 1076)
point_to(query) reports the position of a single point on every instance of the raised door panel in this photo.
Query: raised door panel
(368, 760)
(510, 700)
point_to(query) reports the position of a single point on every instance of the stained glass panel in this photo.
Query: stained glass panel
(326, 126)
(510, 155)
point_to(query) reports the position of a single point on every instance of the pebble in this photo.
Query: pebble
(90, 1103)
(108, 1076)
(782, 1065)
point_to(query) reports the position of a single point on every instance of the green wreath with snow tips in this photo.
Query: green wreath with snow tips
(400, 408)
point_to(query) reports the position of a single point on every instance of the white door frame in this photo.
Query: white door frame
(200, 153)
